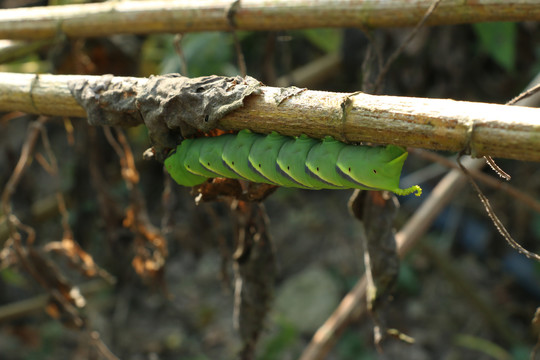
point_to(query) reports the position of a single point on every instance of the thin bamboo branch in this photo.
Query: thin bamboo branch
(181, 16)
(486, 129)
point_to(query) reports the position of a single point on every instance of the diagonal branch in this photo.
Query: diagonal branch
(440, 124)
(182, 16)
(351, 305)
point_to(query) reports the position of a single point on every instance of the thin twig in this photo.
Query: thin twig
(231, 18)
(525, 94)
(491, 213)
(496, 221)
(524, 99)
(239, 55)
(178, 47)
(480, 176)
(151, 246)
(493, 165)
(62, 209)
(101, 346)
(404, 44)
(373, 55)
(114, 143)
(22, 164)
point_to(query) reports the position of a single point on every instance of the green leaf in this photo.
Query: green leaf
(328, 40)
(498, 40)
(12, 277)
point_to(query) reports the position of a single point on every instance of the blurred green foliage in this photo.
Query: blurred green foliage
(408, 281)
(535, 225)
(521, 353)
(278, 344)
(13, 277)
(352, 347)
(204, 53)
(498, 40)
(483, 346)
(327, 40)
(51, 334)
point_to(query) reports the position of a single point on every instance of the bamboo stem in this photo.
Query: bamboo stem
(181, 16)
(440, 124)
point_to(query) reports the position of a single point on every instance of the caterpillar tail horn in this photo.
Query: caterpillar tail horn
(407, 191)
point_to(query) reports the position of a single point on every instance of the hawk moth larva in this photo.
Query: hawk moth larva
(300, 162)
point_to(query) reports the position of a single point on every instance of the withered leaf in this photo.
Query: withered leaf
(108, 102)
(255, 272)
(169, 105)
(377, 211)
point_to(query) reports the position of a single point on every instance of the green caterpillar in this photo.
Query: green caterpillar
(300, 162)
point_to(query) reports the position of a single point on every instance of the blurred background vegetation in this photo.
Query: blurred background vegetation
(188, 315)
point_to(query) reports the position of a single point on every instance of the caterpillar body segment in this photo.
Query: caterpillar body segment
(321, 163)
(263, 158)
(300, 162)
(211, 156)
(192, 159)
(176, 168)
(236, 154)
(291, 162)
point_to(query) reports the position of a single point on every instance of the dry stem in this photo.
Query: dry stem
(182, 16)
